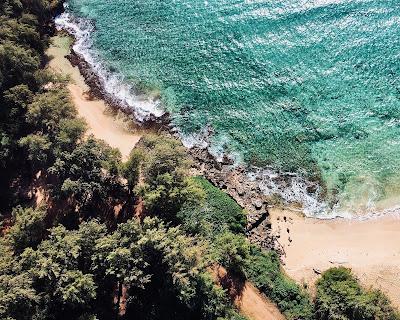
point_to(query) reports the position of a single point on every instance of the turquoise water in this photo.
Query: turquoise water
(306, 86)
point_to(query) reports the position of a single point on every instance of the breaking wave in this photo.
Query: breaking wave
(113, 83)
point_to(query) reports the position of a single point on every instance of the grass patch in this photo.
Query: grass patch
(216, 214)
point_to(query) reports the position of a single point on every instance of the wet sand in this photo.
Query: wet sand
(370, 248)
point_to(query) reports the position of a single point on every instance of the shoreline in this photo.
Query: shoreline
(263, 223)
(274, 187)
(251, 302)
(371, 248)
(232, 179)
(116, 132)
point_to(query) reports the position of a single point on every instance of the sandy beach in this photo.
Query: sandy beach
(370, 248)
(103, 126)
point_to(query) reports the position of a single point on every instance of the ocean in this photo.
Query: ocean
(308, 89)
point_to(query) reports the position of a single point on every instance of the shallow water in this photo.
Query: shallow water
(306, 86)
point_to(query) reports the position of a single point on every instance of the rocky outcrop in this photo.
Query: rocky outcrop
(234, 180)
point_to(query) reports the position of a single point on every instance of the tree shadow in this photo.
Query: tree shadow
(233, 283)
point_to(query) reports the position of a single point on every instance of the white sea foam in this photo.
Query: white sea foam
(296, 192)
(295, 189)
(113, 83)
(291, 188)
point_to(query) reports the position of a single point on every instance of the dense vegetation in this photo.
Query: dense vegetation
(85, 236)
(340, 296)
(79, 253)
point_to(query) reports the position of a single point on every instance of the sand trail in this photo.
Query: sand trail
(255, 306)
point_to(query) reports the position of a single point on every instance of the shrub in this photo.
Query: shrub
(264, 270)
(340, 296)
(217, 213)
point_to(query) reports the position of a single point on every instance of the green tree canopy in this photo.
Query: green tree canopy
(48, 109)
(28, 228)
(17, 65)
(88, 177)
(340, 296)
(166, 186)
(232, 251)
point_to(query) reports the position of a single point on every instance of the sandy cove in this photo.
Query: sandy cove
(105, 127)
(371, 248)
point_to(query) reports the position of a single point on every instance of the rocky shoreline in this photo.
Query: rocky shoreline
(97, 91)
(235, 182)
(231, 179)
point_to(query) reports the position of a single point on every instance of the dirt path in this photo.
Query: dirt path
(255, 306)
(101, 125)
(370, 248)
(247, 298)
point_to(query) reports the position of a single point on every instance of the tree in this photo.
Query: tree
(89, 232)
(119, 258)
(158, 266)
(131, 168)
(48, 109)
(232, 251)
(75, 288)
(22, 31)
(16, 100)
(17, 65)
(28, 228)
(37, 148)
(88, 177)
(10, 7)
(166, 184)
(42, 9)
(70, 133)
(340, 296)
(57, 268)
(18, 298)
(212, 299)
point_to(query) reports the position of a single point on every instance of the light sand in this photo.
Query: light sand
(371, 248)
(101, 125)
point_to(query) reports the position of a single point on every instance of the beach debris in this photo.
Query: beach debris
(338, 262)
(317, 271)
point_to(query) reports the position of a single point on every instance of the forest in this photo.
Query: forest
(85, 235)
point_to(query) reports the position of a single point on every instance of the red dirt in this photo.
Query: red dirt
(255, 306)
(247, 298)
